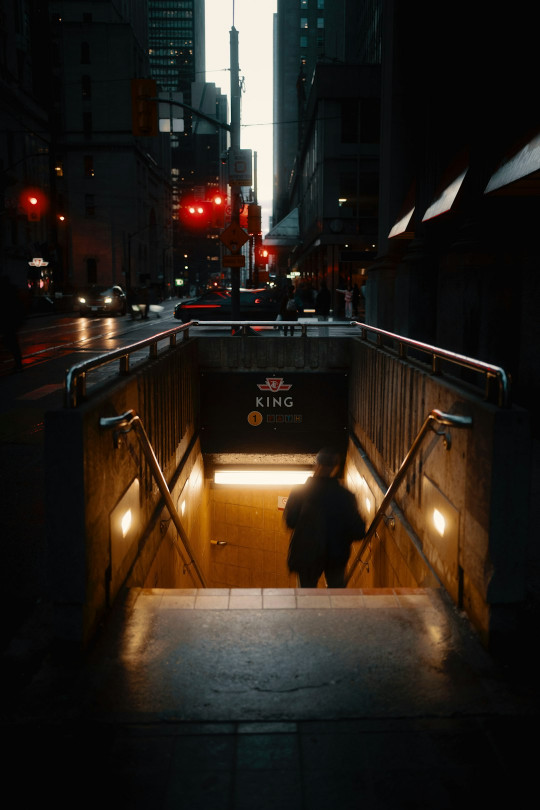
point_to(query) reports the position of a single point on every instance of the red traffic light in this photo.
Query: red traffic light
(262, 255)
(219, 202)
(34, 203)
(196, 213)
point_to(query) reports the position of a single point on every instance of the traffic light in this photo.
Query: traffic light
(144, 107)
(254, 218)
(34, 203)
(196, 213)
(262, 255)
(219, 202)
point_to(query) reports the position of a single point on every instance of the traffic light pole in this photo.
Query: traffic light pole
(235, 147)
(234, 129)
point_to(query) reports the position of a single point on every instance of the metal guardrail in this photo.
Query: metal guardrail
(432, 420)
(437, 354)
(75, 379)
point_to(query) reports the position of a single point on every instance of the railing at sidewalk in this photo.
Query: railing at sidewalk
(434, 419)
(75, 379)
(437, 355)
(124, 423)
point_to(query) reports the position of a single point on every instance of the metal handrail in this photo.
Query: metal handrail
(123, 424)
(435, 417)
(75, 378)
(438, 354)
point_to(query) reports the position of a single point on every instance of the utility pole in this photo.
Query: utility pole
(235, 148)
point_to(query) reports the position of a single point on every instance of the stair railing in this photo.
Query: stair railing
(433, 420)
(123, 424)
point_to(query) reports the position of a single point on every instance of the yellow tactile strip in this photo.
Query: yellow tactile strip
(284, 598)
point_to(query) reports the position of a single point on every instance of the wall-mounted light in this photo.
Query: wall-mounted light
(439, 521)
(261, 477)
(358, 484)
(126, 521)
(367, 498)
(124, 524)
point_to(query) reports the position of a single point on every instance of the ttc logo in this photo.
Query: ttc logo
(274, 384)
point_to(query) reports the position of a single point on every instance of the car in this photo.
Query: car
(261, 304)
(102, 300)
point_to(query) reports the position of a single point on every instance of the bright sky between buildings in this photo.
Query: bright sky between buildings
(253, 19)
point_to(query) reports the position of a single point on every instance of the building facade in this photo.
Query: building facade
(326, 142)
(67, 132)
(113, 186)
(25, 146)
(177, 63)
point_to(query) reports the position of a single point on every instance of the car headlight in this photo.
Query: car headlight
(82, 300)
(108, 300)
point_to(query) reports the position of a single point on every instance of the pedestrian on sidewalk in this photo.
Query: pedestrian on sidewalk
(289, 310)
(325, 521)
(322, 302)
(11, 319)
(348, 293)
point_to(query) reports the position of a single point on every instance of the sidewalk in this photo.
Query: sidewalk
(279, 699)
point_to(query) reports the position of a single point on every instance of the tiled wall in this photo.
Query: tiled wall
(251, 524)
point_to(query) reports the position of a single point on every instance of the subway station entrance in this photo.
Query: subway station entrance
(205, 677)
(428, 440)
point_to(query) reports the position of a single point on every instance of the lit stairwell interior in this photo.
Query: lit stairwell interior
(239, 540)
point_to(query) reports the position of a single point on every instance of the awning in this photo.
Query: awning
(445, 200)
(519, 174)
(286, 233)
(401, 226)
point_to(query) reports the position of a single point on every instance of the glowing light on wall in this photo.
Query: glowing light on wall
(439, 521)
(261, 478)
(126, 522)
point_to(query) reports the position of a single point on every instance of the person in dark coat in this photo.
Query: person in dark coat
(322, 302)
(289, 309)
(325, 521)
(11, 319)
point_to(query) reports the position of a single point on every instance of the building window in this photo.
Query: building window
(88, 165)
(303, 22)
(86, 87)
(91, 271)
(320, 3)
(303, 42)
(87, 124)
(85, 53)
(89, 205)
(320, 22)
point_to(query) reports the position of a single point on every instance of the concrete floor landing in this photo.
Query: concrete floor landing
(277, 699)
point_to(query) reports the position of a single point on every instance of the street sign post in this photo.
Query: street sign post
(234, 237)
(234, 260)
